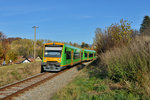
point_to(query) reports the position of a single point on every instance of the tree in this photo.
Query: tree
(75, 44)
(70, 43)
(5, 47)
(145, 24)
(115, 35)
(11, 56)
(99, 40)
(84, 45)
(121, 33)
(10, 40)
(1, 54)
(2, 36)
(39, 47)
(23, 47)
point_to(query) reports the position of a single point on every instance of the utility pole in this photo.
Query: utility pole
(35, 40)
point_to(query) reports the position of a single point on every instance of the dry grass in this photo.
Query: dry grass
(130, 64)
(12, 73)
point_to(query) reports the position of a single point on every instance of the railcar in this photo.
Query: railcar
(57, 56)
(88, 55)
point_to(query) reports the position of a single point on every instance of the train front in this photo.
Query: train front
(52, 54)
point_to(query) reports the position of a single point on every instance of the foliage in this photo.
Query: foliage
(84, 45)
(123, 57)
(11, 56)
(114, 36)
(2, 36)
(24, 47)
(39, 47)
(10, 40)
(145, 25)
(102, 41)
(120, 33)
(84, 87)
(130, 65)
(5, 48)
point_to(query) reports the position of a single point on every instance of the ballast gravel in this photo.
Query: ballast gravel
(46, 90)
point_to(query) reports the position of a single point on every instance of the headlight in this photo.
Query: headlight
(46, 53)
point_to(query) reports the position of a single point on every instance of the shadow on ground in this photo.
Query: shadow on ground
(81, 66)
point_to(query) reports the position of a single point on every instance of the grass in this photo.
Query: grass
(16, 72)
(87, 86)
(130, 65)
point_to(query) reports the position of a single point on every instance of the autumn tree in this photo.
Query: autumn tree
(102, 40)
(2, 45)
(115, 35)
(70, 43)
(39, 48)
(121, 33)
(11, 56)
(5, 48)
(1, 54)
(84, 45)
(23, 47)
(2, 36)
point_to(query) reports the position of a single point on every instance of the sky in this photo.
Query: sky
(67, 20)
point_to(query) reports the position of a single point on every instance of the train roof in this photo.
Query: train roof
(72, 47)
(89, 50)
(69, 46)
(54, 43)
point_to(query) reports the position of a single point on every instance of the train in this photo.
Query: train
(58, 56)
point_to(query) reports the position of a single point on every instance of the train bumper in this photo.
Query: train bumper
(51, 66)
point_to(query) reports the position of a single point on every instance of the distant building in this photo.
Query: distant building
(23, 59)
(26, 61)
(38, 58)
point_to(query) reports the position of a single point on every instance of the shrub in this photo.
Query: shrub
(115, 35)
(130, 64)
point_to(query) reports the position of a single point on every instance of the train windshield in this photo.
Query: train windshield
(53, 51)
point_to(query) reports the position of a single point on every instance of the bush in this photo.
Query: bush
(130, 64)
(115, 35)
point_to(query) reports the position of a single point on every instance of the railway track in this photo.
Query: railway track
(12, 90)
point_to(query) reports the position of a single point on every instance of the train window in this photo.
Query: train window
(49, 53)
(76, 55)
(68, 54)
(85, 54)
(90, 55)
(94, 54)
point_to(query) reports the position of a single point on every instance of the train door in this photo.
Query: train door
(88, 56)
(93, 56)
(80, 56)
(71, 57)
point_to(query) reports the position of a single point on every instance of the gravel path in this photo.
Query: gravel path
(48, 89)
